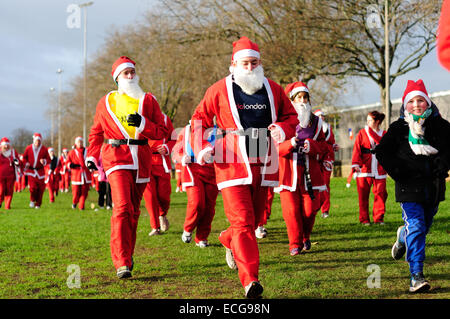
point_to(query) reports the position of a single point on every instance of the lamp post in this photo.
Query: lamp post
(386, 63)
(52, 116)
(84, 6)
(59, 72)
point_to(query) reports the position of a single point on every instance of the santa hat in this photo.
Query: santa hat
(244, 48)
(121, 64)
(318, 112)
(414, 89)
(78, 138)
(51, 149)
(64, 149)
(4, 141)
(37, 136)
(292, 89)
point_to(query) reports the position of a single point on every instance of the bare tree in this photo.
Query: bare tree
(21, 138)
(412, 35)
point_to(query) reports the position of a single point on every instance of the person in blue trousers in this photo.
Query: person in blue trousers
(415, 152)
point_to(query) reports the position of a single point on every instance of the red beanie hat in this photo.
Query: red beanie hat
(414, 89)
(244, 48)
(294, 88)
(78, 138)
(121, 64)
(4, 141)
(318, 112)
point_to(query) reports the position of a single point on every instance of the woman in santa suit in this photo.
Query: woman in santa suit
(300, 172)
(9, 165)
(199, 182)
(52, 175)
(80, 175)
(158, 190)
(65, 171)
(125, 119)
(34, 159)
(369, 173)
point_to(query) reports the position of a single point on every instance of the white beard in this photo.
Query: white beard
(324, 126)
(304, 113)
(249, 81)
(7, 153)
(130, 87)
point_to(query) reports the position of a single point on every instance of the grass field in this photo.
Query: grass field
(38, 246)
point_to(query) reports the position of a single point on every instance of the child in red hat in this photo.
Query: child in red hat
(415, 152)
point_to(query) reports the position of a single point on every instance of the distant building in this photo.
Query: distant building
(348, 121)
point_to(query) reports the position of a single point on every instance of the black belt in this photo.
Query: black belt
(251, 132)
(365, 150)
(125, 141)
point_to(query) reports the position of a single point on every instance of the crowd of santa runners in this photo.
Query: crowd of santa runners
(248, 139)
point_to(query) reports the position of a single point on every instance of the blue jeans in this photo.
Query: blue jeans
(418, 218)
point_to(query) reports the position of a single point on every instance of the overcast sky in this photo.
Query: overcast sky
(35, 42)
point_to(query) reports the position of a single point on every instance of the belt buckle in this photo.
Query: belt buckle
(255, 133)
(128, 141)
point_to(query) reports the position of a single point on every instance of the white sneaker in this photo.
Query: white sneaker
(186, 237)
(164, 222)
(253, 290)
(37, 207)
(32, 204)
(177, 190)
(154, 232)
(230, 259)
(260, 232)
(202, 244)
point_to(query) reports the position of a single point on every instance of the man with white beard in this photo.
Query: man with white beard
(246, 106)
(125, 119)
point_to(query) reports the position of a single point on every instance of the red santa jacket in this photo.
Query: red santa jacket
(366, 140)
(327, 163)
(443, 36)
(7, 167)
(219, 103)
(188, 168)
(63, 161)
(51, 173)
(288, 161)
(133, 157)
(161, 164)
(31, 159)
(79, 175)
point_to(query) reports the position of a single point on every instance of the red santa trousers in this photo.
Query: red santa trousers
(379, 202)
(200, 209)
(299, 213)
(126, 195)
(244, 206)
(23, 182)
(325, 196)
(6, 190)
(53, 185)
(37, 188)
(80, 194)
(64, 182)
(268, 210)
(157, 197)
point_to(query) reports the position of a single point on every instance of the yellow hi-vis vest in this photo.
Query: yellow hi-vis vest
(122, 105)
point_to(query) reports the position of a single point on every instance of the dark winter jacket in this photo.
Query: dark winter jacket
(418, 178)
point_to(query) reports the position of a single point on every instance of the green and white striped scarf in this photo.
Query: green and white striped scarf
(416, 139)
